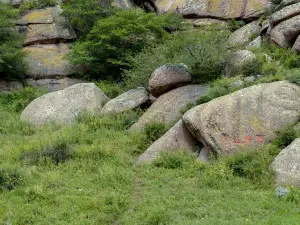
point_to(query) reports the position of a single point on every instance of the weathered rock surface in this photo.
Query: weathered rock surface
(243, 35)
(296, 45)
(167, 108)
(208, 22)
(48, 61)
(9, 86)
(54, 84)
(225, 9)
(284, 14)
(237, 61)
(286, 32)
(63, 106)
(256, 43)
(168, 77)
(178, 137)
(247, 117)
(287, 165)
(46, 26)
(126, 101)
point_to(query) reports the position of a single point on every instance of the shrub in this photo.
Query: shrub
(36, 4)
(154, 131)
(10, 178)
(57, 153)
(104, 53)
(204, 53)
(11, 54)
(84, 14)
(285, 136)
(235, 24)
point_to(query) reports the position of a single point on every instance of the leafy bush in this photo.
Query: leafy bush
(10, 178)
(17, 101)
(57, 153)
(84, 14)
(104, 53)
(11, 54)
(154, 131)
(36, 4)
(235, 24)
(285, 136)
(204, 52)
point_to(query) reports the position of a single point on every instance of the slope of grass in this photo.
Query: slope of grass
(86, 174)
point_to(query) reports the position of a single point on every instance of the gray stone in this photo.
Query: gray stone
(208, 22)
(63, 106)
(243, 35)
(286, 32)
(284, 14)
(7, 86)
(177, 138)
(126, 101)
(167, 108)
(248, 117)
(287, 165)
(48, 61)
(168, 77)
(296, 45)
(237, 61)
(256, 43)
(54, 84)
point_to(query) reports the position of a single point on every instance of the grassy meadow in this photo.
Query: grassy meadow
(85, 173)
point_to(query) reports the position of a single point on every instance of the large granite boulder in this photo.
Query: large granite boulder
(126, 101)
(167, 108)
(284, 14)
(286, 32)
(208, 22)
(178, 137)
(225, 9)
(247, 117)
(51, 85)
(243, 35)
(63, 106)
(237, 61)
(168, 77)
(48, 61)
(287, 165)
(44, 26)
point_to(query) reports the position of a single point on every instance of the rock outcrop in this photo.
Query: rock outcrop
(237, 61)
(247, 117)
(225, 9)
(44, 26)
(126, 101)
(287, 165)
(178, 137)
(63, 106)
(167, 108)
(48, 61)
(242, 36)
(168, 77)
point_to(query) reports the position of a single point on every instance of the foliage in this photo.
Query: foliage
(56, 152)
(285, 136)
(11, 55)
(84, 14)
(174, 160)
(36, 4)
(234, 24)
(111, 88)
(204, 52)
(10, 178)
(105, 51)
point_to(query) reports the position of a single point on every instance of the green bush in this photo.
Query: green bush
(84, 14)
(285, 136)
(10, 178)
(57, 153)
(105, 51)
(204, 52)
(235, 24)
(36, 4)
(11, 54)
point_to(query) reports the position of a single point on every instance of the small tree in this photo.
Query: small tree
(11, 55)
(106, 48)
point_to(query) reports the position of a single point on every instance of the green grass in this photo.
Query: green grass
(85, 173)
